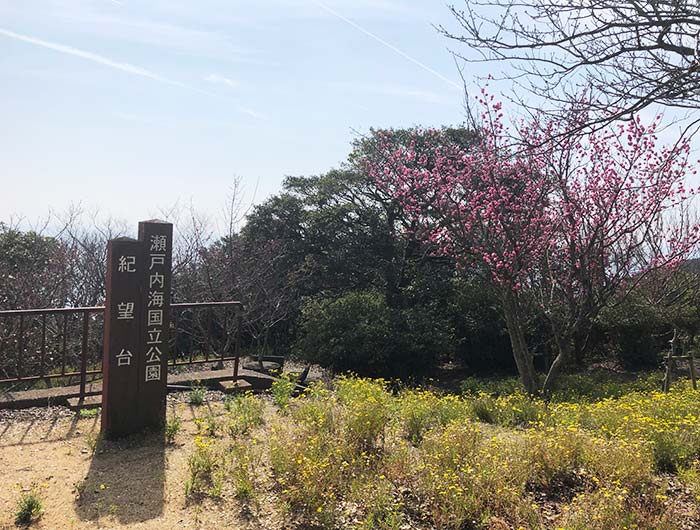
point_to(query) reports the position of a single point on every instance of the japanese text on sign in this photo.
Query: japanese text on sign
(156, 300)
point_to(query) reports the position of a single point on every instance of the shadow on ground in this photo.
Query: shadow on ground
(126, 480)
(40, 431)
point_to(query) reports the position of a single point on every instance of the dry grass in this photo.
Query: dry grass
(358, 456)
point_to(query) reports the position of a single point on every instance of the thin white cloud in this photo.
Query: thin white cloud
(386, 44)
(187, 40)
(214, 78)
(124, 67)
(252, 113)
(61, 48)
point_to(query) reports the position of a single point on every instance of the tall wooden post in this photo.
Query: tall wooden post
(122, 344)
(156, 237)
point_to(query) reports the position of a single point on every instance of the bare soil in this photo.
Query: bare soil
(133, 483)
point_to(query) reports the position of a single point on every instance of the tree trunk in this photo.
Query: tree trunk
(582, 336)
(565, 347)
(263, 350)
(392, 291)
(521, 353)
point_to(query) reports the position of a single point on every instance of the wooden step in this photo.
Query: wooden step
(230, 387)
(259, 380)
(89, 402)
(265, 368)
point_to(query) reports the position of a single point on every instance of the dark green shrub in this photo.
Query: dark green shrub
(483, 345)
(357, 332)
(633, 333)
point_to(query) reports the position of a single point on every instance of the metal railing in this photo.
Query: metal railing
(64, 343)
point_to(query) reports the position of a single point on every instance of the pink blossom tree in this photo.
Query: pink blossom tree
(570, 222)
(618, 200)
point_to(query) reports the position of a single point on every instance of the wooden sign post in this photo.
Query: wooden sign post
(157, 240)
(122, 325)
(137, 331)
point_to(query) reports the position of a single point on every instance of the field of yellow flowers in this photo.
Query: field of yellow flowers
(597, 456)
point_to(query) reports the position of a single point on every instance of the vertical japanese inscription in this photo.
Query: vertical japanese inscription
(156, 238)
(123, 305)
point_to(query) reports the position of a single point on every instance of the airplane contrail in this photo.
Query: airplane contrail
(90, 56)
(387, 44)
(117, 65)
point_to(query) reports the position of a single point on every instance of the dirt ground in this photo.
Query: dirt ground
(135, 483)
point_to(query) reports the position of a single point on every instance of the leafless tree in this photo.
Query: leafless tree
(627, 54)
(86, 235)
(269, 291)
(220, 265)
(35, 266)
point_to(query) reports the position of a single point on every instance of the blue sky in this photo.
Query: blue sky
(130, 106)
